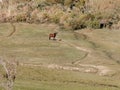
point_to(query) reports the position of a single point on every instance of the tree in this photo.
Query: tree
(9, 75)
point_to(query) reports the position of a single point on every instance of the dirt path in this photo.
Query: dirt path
(14, 30)
(76, 66)
(100, 70)
(77, 47)
(87, 51)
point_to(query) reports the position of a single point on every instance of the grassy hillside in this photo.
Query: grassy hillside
(82, 60)
(83, 56)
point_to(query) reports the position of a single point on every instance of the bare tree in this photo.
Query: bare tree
(1, 1)
(10, 68)
(7, 5)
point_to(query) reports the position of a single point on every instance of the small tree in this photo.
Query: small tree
(9, 75)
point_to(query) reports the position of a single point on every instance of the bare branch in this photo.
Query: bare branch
(10, 68)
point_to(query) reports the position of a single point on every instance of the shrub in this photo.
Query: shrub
(67, 2)
(56, 16)
(55, 1)
(76, 22)
(21, 18)
(93, 24)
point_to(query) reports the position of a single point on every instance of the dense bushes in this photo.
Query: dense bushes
(59, 12)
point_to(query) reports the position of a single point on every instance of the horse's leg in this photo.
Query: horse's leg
(49, 37)
(54, 38)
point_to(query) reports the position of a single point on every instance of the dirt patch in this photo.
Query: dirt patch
(100, 70)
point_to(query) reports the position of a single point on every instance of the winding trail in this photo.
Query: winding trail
(87, 51)
(76, 66)
(14, 30)
(77, 47)
(101, 70)
(86, 68)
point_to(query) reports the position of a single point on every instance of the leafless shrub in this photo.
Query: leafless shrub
(8, 77)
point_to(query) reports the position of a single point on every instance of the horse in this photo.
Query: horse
(52, 35)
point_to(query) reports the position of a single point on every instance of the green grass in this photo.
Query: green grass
(31, 42)
(107, 43)
(30, 45)
(47, 79)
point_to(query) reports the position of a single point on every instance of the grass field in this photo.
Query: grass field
(82, 60)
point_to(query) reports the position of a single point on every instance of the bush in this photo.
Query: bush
(55, 1)
(52, 11)
(75, 22)
(21, 18)
(93, 24)
(56, 16)
(67, 2)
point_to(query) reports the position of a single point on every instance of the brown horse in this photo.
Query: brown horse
(52, 35)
